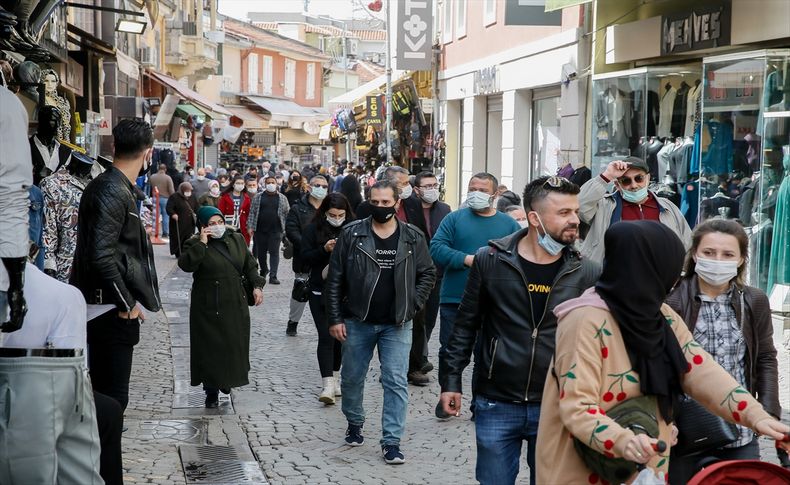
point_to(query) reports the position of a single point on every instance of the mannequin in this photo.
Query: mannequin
(51, 82)
(62, 193)
(666, 107)
(47, 153)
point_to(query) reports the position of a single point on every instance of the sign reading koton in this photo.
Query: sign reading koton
(414, 35)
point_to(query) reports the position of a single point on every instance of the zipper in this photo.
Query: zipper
(495, 342)
(120, 295)
(406, 285)
(150, 277)
(216, 296)
(370, 298)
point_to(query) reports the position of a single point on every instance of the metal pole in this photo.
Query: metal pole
(345, 82)
(388, 105)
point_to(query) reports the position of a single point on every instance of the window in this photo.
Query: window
(546, 155)
(447, 21)
(310, 81)
(489, 12)
(460, 19)
(252, 73)
(290, 78)
(267, 74)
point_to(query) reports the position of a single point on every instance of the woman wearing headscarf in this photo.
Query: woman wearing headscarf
(212, 196)
(219, 317)
(296, 188)
(732, 322)
(619, 341)
(181, 207)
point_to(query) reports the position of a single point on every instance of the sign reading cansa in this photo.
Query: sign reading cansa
(702, 28)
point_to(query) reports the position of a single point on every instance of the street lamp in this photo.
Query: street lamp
(130, 26)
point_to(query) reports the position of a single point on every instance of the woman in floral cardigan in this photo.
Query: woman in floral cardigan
(620, 341)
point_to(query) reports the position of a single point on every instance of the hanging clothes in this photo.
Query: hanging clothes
(666, 107)
(663, 159)
(718, 156)
(779, 269)
(679, 109)
(692, 103)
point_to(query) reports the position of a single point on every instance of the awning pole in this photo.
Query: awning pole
(388, 124)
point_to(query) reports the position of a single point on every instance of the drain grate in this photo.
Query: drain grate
(167, 430)
(197, 399)
(219, 465)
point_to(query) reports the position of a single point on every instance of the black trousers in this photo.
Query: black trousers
(111, 342)
(268, 243)
(109, 417)
(683, 469)
(422, 327)
(330, 350)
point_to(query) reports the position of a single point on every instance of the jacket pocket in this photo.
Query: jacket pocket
(492, 350)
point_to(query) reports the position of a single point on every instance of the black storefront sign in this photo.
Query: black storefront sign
(701, 28)
(375, 114)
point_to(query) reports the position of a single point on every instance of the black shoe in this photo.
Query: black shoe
(354, 435)
(392, 455)
(426, 368)
(212, 400)
(291, 330)
(274, 281)
(439, 412)
(418, 378)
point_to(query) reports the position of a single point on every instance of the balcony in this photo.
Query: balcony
(188, 53)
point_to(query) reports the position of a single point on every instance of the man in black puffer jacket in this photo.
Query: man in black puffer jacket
(507, 306)
(114, 263)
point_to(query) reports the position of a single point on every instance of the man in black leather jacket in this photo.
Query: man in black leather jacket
(380, 275)
(513, 287)
(114, 263)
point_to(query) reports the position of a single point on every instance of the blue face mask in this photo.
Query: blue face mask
(548, 243)
(634, 197)
(478, 201)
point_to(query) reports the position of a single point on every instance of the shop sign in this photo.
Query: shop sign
(105, 125)
(487, 80)
(414, 35)
(375, 115)
(162, 145)
(701, 28)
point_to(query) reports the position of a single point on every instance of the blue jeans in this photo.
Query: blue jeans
(393, 343)
(165, 217)
(500, 428)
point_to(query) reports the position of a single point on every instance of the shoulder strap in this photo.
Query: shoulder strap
(221, 249)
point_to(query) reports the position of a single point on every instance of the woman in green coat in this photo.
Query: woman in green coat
(219, 318)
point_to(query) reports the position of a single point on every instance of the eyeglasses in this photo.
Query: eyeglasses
(627, 180)
(555, 182)
(429, 187)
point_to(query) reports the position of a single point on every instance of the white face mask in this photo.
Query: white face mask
(335, 222)
(238, 187)
(201, 177)
(405, 192)
(430, 195)
(271, 187)
(187, 194)
(716, 272)
(478, 201)
(214, 191)
(217, 231)
(318, 193)
(252, 190)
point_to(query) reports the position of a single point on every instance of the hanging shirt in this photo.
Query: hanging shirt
(382, 303)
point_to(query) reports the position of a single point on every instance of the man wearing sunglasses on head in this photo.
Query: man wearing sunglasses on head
(631, 200)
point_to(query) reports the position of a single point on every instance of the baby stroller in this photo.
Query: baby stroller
(744, 472)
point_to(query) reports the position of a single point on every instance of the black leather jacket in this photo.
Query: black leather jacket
(353, 272)
(754, 317)
(300, 215)
(113, 262)
(514, 355)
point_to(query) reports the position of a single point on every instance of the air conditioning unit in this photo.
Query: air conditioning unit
(353, 47)
(148, 56)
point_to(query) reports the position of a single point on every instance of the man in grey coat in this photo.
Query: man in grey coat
(631, 201)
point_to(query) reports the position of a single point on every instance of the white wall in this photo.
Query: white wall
(231, 68)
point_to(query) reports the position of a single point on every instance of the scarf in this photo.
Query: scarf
(642, 262)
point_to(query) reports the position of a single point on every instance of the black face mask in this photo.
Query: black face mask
(382, 214)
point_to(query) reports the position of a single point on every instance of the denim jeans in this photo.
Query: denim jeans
(163, 214)
(393, 343)
(500, 428)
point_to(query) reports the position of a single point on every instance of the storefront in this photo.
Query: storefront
(714, 125)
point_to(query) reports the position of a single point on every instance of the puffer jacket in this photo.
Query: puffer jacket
(754, 317)
(353, 272)
(113, 261)
(515, 355)
(300, 215)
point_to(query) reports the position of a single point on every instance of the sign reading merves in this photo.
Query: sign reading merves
(701, 28)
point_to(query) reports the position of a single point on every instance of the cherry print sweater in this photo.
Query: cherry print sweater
(594, 374)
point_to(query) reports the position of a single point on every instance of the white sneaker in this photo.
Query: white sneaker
(327, 395)
(338, 393)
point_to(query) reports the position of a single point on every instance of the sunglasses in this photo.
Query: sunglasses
(627, 180)
(555, 182)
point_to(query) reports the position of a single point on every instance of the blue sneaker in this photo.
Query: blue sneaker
(392, 455)
(354, 435)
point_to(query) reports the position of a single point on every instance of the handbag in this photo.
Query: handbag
(301, 290)
(249, 289)
(699, 430)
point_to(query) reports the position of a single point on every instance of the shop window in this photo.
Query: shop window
(744, 162)
(267, 75)
(310, 94)
(290, 78)
(546, 156)
(252, 73)
(460, 18)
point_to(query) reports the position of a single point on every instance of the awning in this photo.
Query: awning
(128, 65)
(215, 110)
(252, 120)
(369, 88)
(190, 110)
(90, 41)
(285, 111)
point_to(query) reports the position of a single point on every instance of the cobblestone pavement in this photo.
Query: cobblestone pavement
(294, 438)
